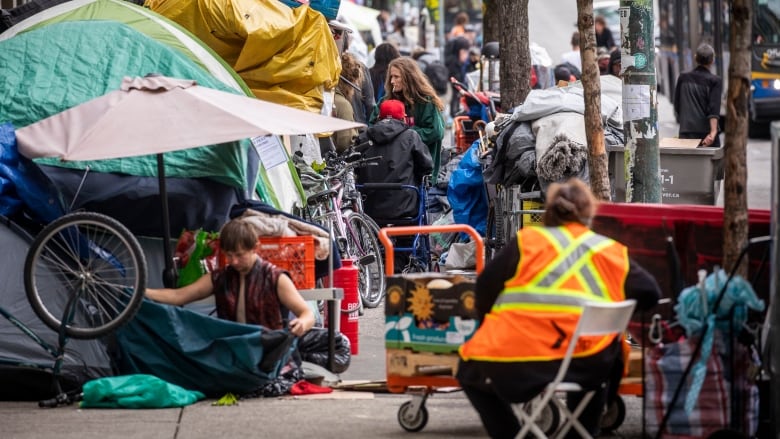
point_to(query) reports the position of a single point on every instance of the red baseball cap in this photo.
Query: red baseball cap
(392, 108)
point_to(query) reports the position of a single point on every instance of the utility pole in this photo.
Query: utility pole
(640, 105)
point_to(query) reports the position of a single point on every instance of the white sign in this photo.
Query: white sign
(636, 102)
(270, 150)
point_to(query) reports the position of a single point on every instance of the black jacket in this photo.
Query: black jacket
(697, 100)
(405, 160)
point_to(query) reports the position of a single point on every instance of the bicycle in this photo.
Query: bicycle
(84, 276)
(356, 233)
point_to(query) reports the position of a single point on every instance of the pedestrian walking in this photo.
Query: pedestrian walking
(604, 36)
(383, 54)
(573, 57)
(697, 100)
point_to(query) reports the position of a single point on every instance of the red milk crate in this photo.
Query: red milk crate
(292, 253)
(295, 254)
(465, 134)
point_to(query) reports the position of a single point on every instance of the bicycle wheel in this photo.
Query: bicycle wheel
(87, 265)
(362, 242)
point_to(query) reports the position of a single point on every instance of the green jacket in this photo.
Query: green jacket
(429, 125)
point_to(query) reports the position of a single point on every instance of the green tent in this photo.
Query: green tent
(278, 186)
(141, 19)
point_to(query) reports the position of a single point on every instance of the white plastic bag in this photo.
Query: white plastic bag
(461, 256)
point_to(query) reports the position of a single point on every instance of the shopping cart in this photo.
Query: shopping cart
(423, 368)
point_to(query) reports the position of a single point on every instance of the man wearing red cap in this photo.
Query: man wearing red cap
(405, 160)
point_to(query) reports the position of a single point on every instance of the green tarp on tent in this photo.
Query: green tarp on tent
(141, 19)
(51, 69)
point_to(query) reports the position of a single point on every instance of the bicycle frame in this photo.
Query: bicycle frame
(340, 208)
(58, 353)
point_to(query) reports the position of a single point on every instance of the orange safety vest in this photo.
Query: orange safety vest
(537, 312)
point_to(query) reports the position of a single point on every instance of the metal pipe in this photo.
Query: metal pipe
(774, 284)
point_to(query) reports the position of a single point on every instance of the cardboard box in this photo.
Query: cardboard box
(425, 317)
(404, 362)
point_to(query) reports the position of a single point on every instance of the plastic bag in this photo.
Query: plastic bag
(313, 347)
(461, 256)
(198, 253)
(441, 241)
(138, 391)
(466, 191)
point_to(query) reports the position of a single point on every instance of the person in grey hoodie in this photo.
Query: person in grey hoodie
(405, 160)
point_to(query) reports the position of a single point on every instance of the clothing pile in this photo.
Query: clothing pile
(545, 139)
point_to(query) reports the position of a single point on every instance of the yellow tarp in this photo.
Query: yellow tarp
(285, 55)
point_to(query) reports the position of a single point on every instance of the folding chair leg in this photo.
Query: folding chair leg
(528, 422)
(572, 419)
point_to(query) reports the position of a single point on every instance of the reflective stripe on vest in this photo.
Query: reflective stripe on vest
(571, 258)
(536, 313)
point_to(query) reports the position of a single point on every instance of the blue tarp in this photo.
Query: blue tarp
(23, 187)
(466, 191)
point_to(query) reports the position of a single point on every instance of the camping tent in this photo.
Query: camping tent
(140, 19)
(286, 55)
(50, 69)
(84, 359)
(276, 185)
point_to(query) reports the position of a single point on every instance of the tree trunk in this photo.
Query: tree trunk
(735, 213)
(490, 21)
(514, 52)
(594, 130)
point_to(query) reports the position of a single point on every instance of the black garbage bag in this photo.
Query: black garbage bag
(313, 347)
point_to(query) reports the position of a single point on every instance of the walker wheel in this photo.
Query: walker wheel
(614, 415)
(412, 422)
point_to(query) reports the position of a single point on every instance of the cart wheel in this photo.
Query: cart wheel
(412, 422)
(613, 416)
(87, 270)
(549, 419)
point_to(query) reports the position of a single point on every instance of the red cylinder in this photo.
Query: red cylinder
(347, 278)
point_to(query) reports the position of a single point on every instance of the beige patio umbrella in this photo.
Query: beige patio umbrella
(154, 115)
(157, 114)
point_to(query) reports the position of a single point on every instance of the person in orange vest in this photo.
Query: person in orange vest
(529, 298)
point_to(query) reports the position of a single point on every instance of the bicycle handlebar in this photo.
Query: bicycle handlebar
(388, 186)
(351, 165)
(386, 232)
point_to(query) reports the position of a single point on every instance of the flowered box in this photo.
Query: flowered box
(429, 312)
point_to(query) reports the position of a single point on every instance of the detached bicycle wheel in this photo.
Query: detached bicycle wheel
(363, 245)
(87, 270)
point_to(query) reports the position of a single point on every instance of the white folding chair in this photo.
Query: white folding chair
(597, 319)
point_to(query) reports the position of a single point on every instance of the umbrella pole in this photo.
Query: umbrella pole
(169, 275)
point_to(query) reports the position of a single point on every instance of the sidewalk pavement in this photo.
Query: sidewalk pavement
(340, 414)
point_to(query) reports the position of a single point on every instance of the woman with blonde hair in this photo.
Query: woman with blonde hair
(350, 80)
(407, 83)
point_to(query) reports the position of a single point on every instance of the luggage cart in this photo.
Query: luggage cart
(429, 371)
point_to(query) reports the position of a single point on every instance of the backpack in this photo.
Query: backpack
(437, 73)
